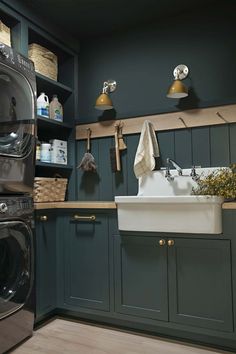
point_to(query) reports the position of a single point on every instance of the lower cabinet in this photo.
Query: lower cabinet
(45, 284)
(84, 253)
(182, 280)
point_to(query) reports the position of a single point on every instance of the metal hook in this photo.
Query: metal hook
(220, 116)
(181, 119)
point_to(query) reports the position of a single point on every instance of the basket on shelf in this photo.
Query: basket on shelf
(49, 189)
(5, 34)
(45, 61)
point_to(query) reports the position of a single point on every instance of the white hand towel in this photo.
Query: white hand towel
(147, 150)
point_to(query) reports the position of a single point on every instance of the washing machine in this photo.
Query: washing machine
(16, 270)
(17, 122)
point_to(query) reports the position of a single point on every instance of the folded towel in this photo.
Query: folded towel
(147, 150)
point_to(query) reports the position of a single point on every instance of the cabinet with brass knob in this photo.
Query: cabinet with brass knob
(45, 280)
(174, 279)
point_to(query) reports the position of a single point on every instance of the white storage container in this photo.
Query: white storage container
(59, 151)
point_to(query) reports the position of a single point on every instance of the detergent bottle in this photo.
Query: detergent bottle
(43, 105)
(55, 109)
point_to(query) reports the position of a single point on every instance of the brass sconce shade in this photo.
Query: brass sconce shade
(178, 89)
(104, 102)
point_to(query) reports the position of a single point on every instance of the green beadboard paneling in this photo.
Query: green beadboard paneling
(219, 145)
(201, 146)
(166, 142)
(232, 131)
(104, 168)
(183, 147)
(132, 182)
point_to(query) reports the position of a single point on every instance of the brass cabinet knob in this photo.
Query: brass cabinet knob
(162, 242)
(170, 243)
(43, 218)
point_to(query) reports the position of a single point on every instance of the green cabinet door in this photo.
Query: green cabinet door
(200, 283)
(45, 254)
(86, 261)
(141, 277)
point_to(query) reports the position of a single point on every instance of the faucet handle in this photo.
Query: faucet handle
(194, 174)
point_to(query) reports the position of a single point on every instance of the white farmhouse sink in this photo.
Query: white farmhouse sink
(168, 206)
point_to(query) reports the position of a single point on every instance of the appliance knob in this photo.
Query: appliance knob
(3, 208)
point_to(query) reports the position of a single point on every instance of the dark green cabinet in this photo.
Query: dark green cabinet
(198, 272)
(45, 263)
(200, 283)
(141, 277)
(84, 254)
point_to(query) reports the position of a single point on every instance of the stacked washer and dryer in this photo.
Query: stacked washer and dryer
(17, 144)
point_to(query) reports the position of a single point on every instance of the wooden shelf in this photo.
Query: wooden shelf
(47, 123)
(167, 121)
(53, 165)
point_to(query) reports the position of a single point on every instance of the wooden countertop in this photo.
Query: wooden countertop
(229, 205)
(75, 205)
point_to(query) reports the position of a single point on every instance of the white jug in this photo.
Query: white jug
(43, 105)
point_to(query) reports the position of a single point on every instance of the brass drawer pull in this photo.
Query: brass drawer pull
(43, 218)
(162, 242)
(170, 243)
(84, 218)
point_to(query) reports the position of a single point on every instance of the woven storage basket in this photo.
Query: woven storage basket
(45, 62)
(49, 189)
(5, 34)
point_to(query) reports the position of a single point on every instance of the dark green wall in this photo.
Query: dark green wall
(142, 61)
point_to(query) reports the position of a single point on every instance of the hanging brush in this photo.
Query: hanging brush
(88, 162)
(121, 143)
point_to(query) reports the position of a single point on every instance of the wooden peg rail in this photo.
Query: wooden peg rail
(167, 121)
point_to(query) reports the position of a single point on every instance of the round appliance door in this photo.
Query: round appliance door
(16, 266)
(17, 113)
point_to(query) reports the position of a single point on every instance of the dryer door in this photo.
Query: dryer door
(17, 113)
(16, 266)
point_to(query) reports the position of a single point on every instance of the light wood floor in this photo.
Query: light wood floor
(67, 337)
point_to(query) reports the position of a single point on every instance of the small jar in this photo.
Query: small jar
(45, 152)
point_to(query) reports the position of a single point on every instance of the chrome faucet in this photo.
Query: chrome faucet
(174, 164)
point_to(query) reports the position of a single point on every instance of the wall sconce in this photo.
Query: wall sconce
(178, 89)
(104, 102)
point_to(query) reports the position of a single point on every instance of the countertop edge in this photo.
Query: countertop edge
(75, 205)
(98, 205)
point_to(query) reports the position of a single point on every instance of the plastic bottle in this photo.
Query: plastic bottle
(43, 105)
(38, 150)
(55, 109)
(45, 152)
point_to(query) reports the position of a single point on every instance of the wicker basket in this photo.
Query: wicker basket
(45, 62)
(49, 189)
(5, 34)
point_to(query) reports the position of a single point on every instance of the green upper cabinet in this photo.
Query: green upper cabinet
(84, 250)
(141, 277)
(181, 280)
(200, 283)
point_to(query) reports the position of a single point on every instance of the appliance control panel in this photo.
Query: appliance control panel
(9, 56)
(15, 207)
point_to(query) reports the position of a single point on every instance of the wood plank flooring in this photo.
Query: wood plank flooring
(67, 337)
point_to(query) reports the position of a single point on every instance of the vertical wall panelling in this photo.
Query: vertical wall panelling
(166, 142)
(232, 131)
(132, 182)
(119, 181)
(201, 146)
(104, 169)
(183, 147)
(219, 145)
